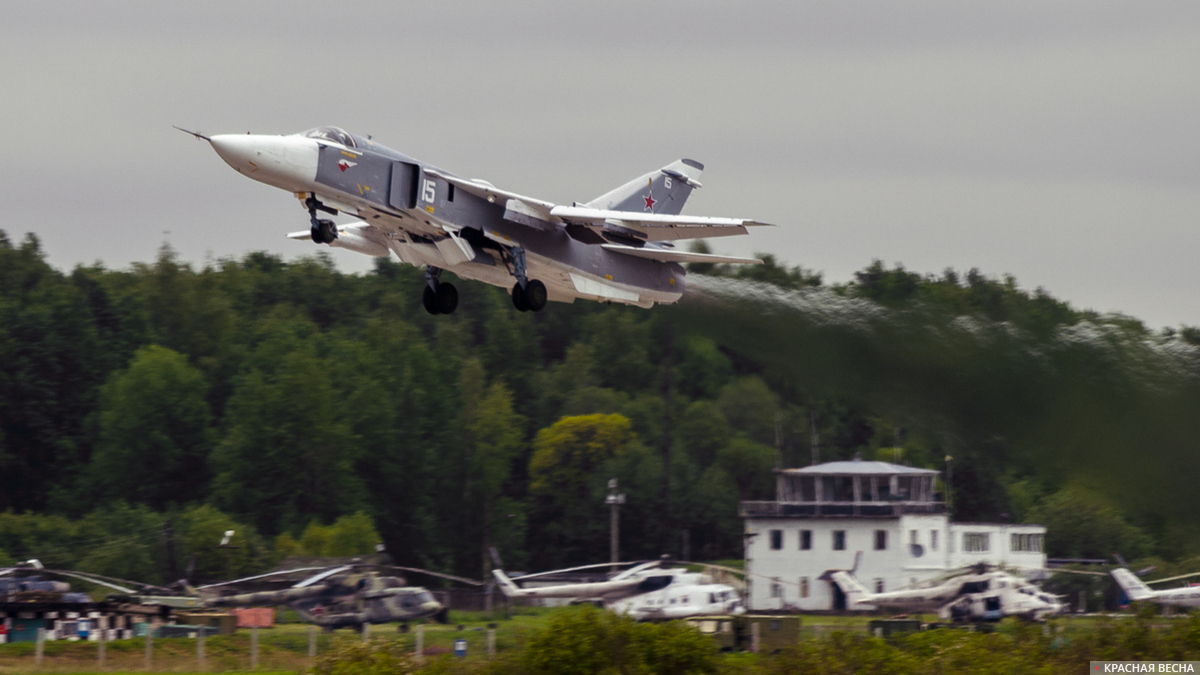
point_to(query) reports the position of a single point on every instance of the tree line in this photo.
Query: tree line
(285, 396)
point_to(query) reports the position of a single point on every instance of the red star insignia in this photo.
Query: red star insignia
(649, 201)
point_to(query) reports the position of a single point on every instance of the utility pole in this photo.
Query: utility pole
(815, 439)
(226, 543)
(949, 477)
(614, 501)
(778, 444)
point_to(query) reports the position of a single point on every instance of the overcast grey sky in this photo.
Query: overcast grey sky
(1054, 141)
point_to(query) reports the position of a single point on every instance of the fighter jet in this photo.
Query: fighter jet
(645, 592)
(618, 247)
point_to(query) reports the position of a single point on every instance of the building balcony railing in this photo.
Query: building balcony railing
(835, 509)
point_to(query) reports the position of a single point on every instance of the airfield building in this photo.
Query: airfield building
(824, 515)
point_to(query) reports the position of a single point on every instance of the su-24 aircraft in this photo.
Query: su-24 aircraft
(618, 247)
(983, 595)
(645, 592)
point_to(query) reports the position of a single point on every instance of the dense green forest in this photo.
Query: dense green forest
(144, 411)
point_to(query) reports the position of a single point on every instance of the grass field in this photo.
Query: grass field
(284, 648)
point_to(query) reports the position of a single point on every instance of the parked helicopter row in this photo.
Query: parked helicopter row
(354, 594)
(342, 596)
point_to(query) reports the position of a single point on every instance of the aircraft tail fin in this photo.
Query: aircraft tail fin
(1133, 586)
(664, 191)
(507, 586)
(855, 592)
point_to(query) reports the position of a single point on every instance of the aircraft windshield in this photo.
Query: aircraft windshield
(332, 134)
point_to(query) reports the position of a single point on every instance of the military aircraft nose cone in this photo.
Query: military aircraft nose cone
(237, 151)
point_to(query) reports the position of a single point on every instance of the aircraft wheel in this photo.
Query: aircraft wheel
(429, 299)
(535, 295)
(323, 232)
(446, 297)
(329, 230)
(518, 297)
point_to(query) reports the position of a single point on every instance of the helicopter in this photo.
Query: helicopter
(341, 596)
(338, 597)
(646, 592)
(1138, 591)
(982, 593)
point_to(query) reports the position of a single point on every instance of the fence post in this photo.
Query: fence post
(149, 645)
(491, 642)
(254, 648)
(200, 648)
(754, 637)
(420, 641)
(312, 641)
(366, 632)
(41, 646)
(102, 636)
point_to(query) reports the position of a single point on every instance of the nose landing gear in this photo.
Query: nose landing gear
(323, 231)
(438, 297)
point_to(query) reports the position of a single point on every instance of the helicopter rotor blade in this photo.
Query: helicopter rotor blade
(323, 575)
(577, 569)
(261, 576)
(417, 570)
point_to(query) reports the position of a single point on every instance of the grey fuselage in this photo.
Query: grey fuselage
(426, 221)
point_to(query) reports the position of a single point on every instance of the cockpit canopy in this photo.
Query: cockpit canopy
(331, 134)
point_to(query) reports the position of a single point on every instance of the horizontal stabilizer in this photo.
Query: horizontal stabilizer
(669, 255)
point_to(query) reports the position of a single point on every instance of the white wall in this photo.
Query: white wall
(896, 566)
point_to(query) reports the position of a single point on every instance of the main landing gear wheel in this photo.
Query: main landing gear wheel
(447, 298)
(442, 301)
(535, 295)
(532, 298)
(323, 231)
(518, 297)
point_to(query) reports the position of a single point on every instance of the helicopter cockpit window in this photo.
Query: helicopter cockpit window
(424, 597)
(331, 134)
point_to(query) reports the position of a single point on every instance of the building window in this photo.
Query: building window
(879, 585)
(880, 540)
(839, 540)
(805, 540)
(776, 540)
(1027, 543)
(976, 542)
(933, 539)
(776, 589)
(912, 536)
(804, 587)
